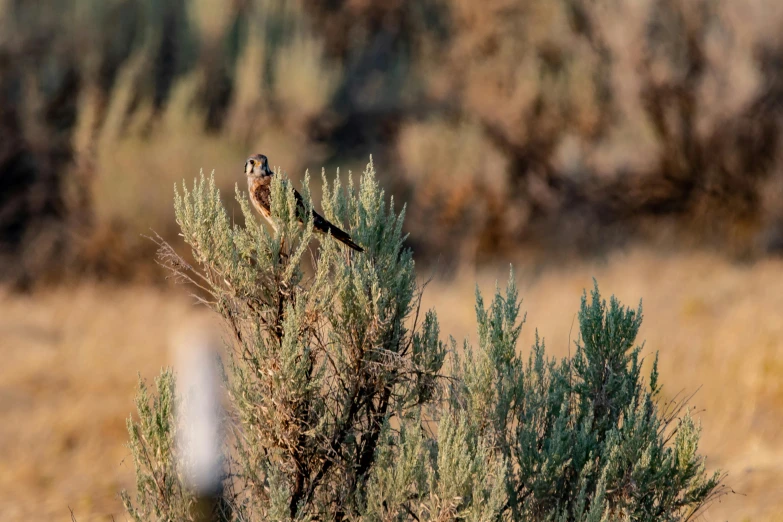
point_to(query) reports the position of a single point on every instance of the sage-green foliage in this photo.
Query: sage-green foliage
(582, 438)
(344, 411)
(159, 486)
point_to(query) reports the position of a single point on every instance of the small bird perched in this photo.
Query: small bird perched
(259, 180)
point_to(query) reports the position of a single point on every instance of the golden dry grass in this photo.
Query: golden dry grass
(72, 356)
(71, 363)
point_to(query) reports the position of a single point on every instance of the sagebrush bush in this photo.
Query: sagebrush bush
(342, 408)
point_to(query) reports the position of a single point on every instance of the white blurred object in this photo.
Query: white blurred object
(199, 437)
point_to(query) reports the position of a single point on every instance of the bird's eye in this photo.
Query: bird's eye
(251, 162)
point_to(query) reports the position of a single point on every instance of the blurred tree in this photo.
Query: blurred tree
(563, 127)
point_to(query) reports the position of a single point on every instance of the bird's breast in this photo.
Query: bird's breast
(260, 195)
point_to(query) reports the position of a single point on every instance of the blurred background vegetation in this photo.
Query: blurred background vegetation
(550, 128)
(635, 140)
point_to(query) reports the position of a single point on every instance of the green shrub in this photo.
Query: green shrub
(159, 485)
(343, 409)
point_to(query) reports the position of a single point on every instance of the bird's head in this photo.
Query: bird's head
(257, 166)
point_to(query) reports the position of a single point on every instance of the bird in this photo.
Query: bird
(259, 180)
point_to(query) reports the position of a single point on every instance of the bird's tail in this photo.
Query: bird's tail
(321, 224)
(343, 237)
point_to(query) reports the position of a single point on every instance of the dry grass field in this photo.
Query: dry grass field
(71, 363)
(72, 357)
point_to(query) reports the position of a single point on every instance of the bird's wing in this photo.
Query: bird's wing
(320, 223)
(300, 206)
